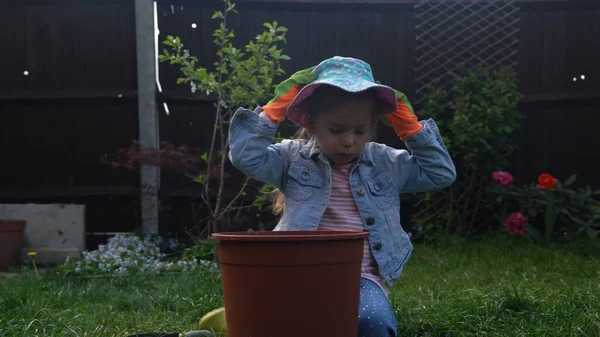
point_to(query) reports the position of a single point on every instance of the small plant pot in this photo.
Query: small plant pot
(11, 243)
(292, 284)
(156, 334)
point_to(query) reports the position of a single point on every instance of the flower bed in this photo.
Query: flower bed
(130, 254)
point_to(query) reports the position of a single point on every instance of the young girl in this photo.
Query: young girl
(333, 177)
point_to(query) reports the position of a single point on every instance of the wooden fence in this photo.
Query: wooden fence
(68, 88)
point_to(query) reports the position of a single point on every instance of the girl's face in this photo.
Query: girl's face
(342, 131)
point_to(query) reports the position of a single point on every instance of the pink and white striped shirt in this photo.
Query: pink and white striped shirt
(342, 215)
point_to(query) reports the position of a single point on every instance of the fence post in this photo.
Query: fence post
(147, 111)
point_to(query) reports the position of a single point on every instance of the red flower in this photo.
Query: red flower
(516, 223)
(546, 181)
(502, 178)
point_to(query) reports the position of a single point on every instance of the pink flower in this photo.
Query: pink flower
(502, 178)
(516, 223)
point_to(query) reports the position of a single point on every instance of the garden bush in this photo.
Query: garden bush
(477, 116)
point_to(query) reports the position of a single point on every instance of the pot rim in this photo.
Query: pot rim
(9, 225)
(317, 235)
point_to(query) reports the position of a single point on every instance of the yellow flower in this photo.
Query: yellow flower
(32, 254)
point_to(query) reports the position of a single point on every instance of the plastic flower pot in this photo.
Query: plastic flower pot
(156, 334)
(176, 334)
(11, 243)
(292, 284)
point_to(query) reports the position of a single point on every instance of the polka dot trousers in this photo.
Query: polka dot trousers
(375, 314)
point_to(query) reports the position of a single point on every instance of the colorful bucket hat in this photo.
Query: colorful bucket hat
(346, 73)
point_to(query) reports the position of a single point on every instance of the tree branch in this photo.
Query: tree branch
(240, 192)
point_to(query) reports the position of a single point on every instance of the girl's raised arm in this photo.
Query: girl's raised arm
(251, 148)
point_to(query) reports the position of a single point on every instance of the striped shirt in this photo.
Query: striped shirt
(342, 215)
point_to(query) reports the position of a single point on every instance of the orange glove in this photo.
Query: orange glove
(285, 92)
(404, 121)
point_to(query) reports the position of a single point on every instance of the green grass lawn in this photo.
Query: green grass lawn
(489, 288)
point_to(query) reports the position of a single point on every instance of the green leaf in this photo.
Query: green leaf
(181, 80)
(169, 41)
(204, 157)
(577, 220)
(570, 180)
(217, 15)
(550, 220)
(534, 233)
(532, 212)
(593, 234)
(201, 179)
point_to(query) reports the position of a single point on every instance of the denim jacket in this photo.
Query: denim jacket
(381, 173)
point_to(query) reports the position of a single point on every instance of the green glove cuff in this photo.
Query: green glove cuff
(301, 77)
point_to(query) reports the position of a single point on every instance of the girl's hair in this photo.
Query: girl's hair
(326, 98)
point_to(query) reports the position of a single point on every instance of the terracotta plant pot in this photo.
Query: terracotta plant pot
(11, 243)
(292, 284)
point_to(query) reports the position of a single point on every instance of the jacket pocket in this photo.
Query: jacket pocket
(403, 252)
(382, 189)
(302, 183)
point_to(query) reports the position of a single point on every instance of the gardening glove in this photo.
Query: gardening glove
(404, 121)
(197, 333)
(214, 321)
(285, 92)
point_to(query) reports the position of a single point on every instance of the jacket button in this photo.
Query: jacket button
(305, 175)
(370, 221)
(378, 246)
(360, 192)
(243, 115)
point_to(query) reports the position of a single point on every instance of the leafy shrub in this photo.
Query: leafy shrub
(203, 250)
(477, 117)
(242, 76)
